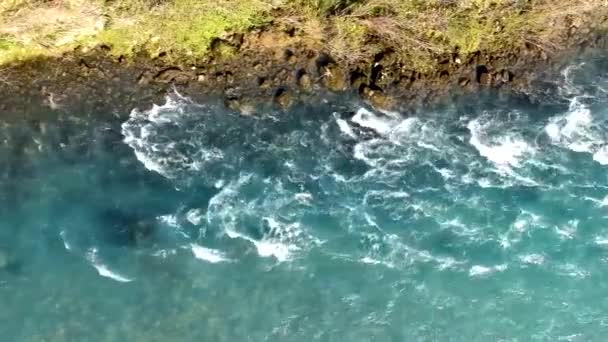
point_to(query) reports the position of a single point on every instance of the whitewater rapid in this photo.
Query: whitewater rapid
(389, 182)
(484, 218)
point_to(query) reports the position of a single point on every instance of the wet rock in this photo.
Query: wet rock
(167, 75)
(247, 109)
(505, 76)
(481, 71)
(304, 80)
(241, 106)
(377, 98)
(357, 79)
(262, 53)
(485, 79)
(264, 83)
(283, 98)
(333, 78)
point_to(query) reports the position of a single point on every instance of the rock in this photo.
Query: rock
(377, 98)
(485, 79)
(264, 83)
(333, 78)
(481, 71)
(304, 81)
(244, 108)
(283, 98)
(167, 75)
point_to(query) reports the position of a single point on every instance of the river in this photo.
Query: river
(483, 219)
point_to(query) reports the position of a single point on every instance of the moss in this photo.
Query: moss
(122, 40)
(180, 27)
(323, 8)
(6, 43)
(349, 40)
(468, 33)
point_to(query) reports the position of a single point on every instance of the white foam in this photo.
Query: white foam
(267, 248)
(164, 253)
(371, 261)
(572, 129)
(66, 244)
(445, 263)
(207, 254)
(568, 88)
(573, 270)
(479, 270)
(233, 210)
(601, 155)
(219, 184)
(103, 270)
(170, 220)
(567, 231)
(303, 197)
(524, 222)
(195, 216)
(532, 259)
(380, 124)
(148, 133)
(278, 250)
(404, 130)
(447, 174)
(345, 127)
(577, 132)
(505, 151)
(456, 226)
(138, 129)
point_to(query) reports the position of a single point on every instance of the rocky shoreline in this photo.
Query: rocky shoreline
(262, 74)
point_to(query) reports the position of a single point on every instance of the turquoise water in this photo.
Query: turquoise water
(482, 220)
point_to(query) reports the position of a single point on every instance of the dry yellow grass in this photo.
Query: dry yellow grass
(419, 30)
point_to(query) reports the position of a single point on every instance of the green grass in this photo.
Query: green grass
(352, 30)
(180, 27)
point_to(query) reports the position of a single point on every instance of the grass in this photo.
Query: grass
(184, 27)
(420, 30)
(352, 30)
(179, 27)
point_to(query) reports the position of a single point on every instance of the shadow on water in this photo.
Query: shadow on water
(71, 170)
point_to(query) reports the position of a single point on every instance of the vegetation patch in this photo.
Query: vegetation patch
(353, 31)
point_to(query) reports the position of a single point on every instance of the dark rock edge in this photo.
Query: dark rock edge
(96, 81)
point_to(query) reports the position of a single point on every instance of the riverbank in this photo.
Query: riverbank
(113, 56)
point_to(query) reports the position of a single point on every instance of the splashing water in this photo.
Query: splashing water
(473, 221)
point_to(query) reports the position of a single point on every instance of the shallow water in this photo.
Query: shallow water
(484, 219)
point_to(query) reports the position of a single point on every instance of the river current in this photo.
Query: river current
(483, 219)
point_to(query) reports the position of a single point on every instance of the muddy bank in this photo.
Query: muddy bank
(265, 73)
